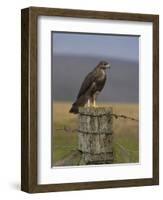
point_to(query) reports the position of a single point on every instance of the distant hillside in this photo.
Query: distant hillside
(69, 71)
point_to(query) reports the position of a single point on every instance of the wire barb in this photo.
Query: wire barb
(124, 116)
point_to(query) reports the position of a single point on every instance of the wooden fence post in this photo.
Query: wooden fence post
(95, 135)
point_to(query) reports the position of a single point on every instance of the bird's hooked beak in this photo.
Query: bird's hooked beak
(107, 66)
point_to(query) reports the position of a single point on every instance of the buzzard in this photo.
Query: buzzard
(91, 87)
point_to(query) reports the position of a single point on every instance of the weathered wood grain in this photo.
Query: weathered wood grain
(95, 134)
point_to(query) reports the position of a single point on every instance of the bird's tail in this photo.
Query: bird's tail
(74, 109)
(80, 102)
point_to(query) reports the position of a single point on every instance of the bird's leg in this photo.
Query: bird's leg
(91, 101)
(88, 103)
(94, 101)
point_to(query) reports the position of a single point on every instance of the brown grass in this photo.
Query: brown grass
(125, 131)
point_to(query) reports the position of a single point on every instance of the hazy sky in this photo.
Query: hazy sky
(114, 46)
(75, 55)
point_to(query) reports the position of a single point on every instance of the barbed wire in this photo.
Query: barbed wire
(69, 129)
(112, 114)
(74, 153)
(66, 129)
(124, 116)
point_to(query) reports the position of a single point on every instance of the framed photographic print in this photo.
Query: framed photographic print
(90, 99)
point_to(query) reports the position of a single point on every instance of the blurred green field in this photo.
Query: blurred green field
(126, 132)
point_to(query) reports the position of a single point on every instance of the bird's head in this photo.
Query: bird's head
(103, 65)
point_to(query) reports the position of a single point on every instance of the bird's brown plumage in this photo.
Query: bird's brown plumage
(92, 84)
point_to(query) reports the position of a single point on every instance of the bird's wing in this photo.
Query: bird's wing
(90, 78)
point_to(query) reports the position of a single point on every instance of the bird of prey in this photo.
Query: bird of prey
(91, 87)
